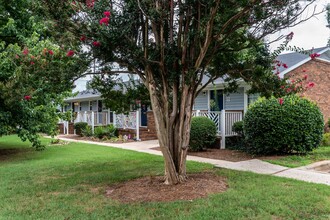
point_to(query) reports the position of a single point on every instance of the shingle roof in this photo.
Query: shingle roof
(294, 60)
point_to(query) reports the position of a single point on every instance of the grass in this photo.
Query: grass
(321, 153)
(60, 183)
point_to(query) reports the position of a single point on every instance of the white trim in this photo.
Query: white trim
(245, 103)
(208, 100)
(323, 60)
(301, 63)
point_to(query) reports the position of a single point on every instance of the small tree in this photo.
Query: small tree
(174, 46)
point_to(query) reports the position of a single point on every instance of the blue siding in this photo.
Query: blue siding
(234, 101)
(201, 101)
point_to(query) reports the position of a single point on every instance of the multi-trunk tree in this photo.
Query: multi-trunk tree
(177, 47)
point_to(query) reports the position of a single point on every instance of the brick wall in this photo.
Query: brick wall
(318, 71)
(151, 122)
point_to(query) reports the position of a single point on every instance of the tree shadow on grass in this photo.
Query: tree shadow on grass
(8, 154)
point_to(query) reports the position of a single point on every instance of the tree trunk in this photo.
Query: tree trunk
(173, 133)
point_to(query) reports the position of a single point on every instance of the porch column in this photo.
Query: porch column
(223, 129)
(137, 125)
(245, 100)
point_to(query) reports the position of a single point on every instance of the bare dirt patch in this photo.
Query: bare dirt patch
(153, 189)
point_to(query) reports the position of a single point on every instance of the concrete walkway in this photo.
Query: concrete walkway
(256, 166)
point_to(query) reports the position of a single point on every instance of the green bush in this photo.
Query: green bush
(105, 131)
(202, 134)
(111, 131)
(238, 128)
(80, 126)
(87, 131)
(100, 132)
(236, 142)
(272, 128)
(326, 139)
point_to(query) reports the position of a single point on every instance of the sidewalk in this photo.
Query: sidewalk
(255, 165)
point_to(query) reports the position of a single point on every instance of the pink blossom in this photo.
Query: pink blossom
(107, 13)
(311, 85)
(25, 51)
(284, 65)
(280, 100)
(83, 38)
(288, 90)
(50, 52)
(96, 44)
(292, 81)
(305, 77)
(314, 55)
(32, 63)
(104, 21)
(70, 53)
(90, 3)
(27, 97)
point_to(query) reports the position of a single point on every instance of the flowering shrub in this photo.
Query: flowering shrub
(274, 127)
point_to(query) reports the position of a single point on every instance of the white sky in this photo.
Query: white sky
(311, 33)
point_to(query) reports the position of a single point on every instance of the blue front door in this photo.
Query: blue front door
(216, 100)
(144, 118)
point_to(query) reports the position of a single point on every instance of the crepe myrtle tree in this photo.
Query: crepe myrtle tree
(172, 45)
(35, 73)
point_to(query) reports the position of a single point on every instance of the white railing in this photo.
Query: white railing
(126, 121)
(230, 119)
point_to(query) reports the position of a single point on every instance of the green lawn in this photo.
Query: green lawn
(56, 184)
(321, 153)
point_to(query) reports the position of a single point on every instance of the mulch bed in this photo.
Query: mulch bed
(153, 189)
(226, 154)
(77, 137)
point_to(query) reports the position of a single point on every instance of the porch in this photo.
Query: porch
(130, 124)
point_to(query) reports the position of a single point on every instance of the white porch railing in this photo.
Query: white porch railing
(130, 121)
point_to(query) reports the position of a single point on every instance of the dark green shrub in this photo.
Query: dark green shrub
(202, 134)
(238, 128)
(236, 142)
(272, 128)
(87, 131)
(326, 139)
(79, 126)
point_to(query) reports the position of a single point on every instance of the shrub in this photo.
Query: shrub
(202, 134)
(238, 127)
(326, 139)
(111, 131)
(236, 142)
(100, 132)
(296, 125)
(87, 131)
(79, 126)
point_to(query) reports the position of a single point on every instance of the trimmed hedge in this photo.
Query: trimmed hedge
(271, 128)
(203, 133)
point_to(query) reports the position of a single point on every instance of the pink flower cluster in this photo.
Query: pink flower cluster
(105, 20)
(314, 55)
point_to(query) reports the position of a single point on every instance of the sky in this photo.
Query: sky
(309, 34)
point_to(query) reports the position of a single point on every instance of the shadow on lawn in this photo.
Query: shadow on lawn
(13, 153)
